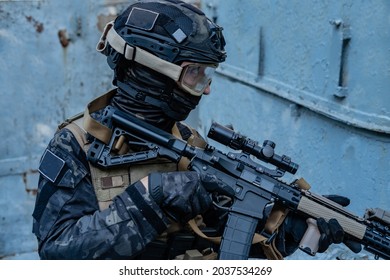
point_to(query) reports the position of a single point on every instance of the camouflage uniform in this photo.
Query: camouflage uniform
(153, 83)
(67, 220)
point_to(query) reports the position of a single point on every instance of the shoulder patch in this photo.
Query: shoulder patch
(51, 166)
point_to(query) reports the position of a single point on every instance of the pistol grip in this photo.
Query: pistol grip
(309, 242)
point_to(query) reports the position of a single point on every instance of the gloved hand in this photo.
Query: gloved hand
(181, 194)
(331, 231)
(294, 227)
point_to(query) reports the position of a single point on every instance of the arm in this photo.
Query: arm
(69, 225)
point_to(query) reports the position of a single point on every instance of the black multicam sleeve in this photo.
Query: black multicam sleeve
(67, 220)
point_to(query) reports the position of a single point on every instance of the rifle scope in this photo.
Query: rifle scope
(236, 141)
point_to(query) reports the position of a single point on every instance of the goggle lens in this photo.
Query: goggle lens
(196, 77)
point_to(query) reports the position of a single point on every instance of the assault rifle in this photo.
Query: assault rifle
(254, 188)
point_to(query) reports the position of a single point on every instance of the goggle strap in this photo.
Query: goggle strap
(136, 54)
(151, 61)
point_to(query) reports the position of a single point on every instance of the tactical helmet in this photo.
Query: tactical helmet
(161, 35)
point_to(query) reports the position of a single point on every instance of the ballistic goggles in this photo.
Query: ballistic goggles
(192, 77)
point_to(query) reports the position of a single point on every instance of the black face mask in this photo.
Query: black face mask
(183, 103)
(152, 96)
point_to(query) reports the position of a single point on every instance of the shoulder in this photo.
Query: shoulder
(62, 168)
(63, 162)
(65, 140)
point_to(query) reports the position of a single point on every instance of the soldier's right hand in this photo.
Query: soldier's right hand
(180, 193)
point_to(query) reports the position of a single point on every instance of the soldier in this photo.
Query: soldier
(163, 55)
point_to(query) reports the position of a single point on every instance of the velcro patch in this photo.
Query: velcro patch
(51, 166)
(112, 182)
(142, 19)
(175, 31)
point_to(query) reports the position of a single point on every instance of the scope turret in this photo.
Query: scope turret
(237, 141)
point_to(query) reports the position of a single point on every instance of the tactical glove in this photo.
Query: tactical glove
(294, 227)
(181, 194)
(332, 232)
